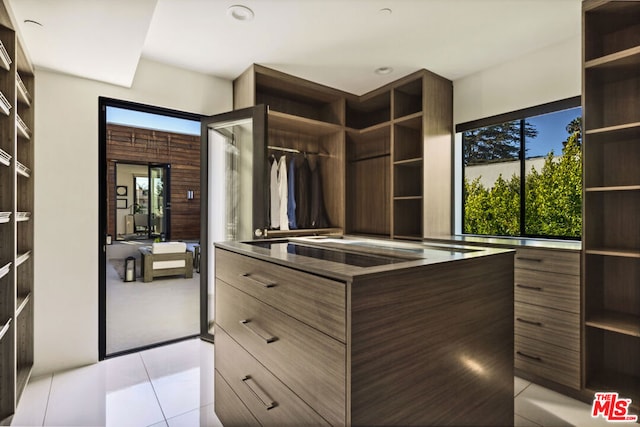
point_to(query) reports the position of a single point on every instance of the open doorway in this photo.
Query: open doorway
(149, 284)
(142, 201)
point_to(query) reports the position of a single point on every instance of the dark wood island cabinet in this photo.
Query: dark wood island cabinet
(355, 331)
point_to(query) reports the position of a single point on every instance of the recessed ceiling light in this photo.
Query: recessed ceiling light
(31, 21)
(240, 12)
(383, 70)
(386, 11)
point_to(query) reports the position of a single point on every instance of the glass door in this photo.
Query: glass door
(159, 201)
(234, 173)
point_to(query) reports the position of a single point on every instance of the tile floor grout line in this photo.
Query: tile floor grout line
(531, 421)
(154, 389)
(46, 407)
(520, 392)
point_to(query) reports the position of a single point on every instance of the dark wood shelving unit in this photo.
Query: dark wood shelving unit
(611, 230)
(372, 154)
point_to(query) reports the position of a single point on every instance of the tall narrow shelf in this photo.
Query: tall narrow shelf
(16, 221)
(611, 231)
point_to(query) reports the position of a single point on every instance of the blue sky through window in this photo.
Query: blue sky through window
(122, 116)
(551, 132)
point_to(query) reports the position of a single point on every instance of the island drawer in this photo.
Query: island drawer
(228, 406)
(555, 261)
(268, 399)
(314, 300)
(311, 363)
(559, 291)
(548, 361)
(552, 326)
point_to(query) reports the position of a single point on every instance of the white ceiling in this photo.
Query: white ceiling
(335, 42)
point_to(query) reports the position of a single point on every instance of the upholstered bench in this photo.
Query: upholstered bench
(166, 259)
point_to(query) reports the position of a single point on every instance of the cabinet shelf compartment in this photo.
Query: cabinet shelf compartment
(300, 124)
(611, 158)
(368, 195)
(407, 99)
(408, 139)
(21, 258)
(5, 270)
(24, 348)
(610, 28)
(23, 130)
(369, 110)
(407, 179)
(8, 372)
(611, 221)
(5, 105)
(23, 170)
(407, 218)
(368, 145)
(612, 363)
(612, 297)
(5, 158)
(4, 328)
(287, 97)
(5, 58)
(23, 94)
(611, 95)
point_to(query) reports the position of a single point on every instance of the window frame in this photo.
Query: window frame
(521, 116)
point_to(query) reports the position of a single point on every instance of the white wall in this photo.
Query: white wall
(536, 78)
(66, 193)
(539, 77)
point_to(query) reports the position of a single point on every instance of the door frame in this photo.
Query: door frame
(103, 103)
(259, 115)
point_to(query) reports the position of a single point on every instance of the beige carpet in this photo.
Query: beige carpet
(141, 314)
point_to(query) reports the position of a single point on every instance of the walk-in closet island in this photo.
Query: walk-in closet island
(360, 331)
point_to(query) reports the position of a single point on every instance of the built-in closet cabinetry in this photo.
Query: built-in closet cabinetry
(611, 229)
(385, 156)
(16, 218)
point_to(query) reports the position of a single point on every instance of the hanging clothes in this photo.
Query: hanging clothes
(318, 212)
(283, 188)
(274, 193)
(291, 195)
(303, 194)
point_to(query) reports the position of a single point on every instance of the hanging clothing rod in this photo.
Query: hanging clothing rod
(293, 150)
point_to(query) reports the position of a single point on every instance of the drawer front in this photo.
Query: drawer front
(559, 291)
(228, 406)
(563, 262)
(548, 361)
(270, 401)
(309, 362)
(314, 300)
(546, 324)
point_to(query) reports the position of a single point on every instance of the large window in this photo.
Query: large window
(522, 173)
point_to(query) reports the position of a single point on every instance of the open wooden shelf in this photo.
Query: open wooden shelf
(23, 129)
(621, 323)
(293, 123)
(5, 328)
(23, 94)
(611, 230)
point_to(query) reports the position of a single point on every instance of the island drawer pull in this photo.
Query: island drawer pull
(267, 284)
(533, 288)
(536, 358)
(530, 322)
(258, 331)
(259, 393)
(525, 258)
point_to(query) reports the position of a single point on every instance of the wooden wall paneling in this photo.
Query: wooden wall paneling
(333, 175)
(135, 145)
(438, 155)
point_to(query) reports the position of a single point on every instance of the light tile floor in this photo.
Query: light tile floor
(172, 386)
